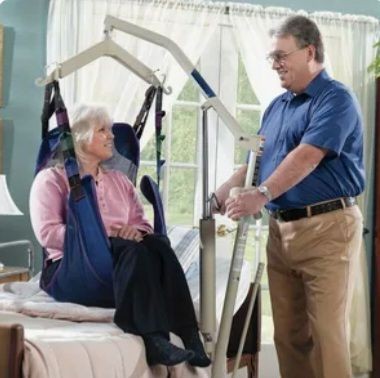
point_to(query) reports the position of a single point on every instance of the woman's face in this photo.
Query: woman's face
(99, 148)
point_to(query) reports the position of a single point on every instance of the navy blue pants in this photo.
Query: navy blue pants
(151, 291)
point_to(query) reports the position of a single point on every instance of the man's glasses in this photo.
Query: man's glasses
(280, 57)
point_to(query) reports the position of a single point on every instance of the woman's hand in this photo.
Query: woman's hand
(127, 231)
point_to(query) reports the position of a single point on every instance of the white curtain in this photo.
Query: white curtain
(74, 25)
(349, 44)
(251, 24)
(349, 50)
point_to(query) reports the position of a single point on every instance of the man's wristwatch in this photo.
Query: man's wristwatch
(265, 192)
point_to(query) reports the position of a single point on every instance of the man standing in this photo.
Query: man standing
(310, 173)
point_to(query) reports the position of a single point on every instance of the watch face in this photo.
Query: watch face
(264, 191)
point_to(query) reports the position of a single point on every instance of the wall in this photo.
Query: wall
(24, 24)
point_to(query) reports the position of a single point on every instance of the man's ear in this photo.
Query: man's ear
(311, 51)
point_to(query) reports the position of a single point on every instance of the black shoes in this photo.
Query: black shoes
(160, 351)
(192, 342)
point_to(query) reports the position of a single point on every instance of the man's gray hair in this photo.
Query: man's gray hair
(304, 31)
(83, 119)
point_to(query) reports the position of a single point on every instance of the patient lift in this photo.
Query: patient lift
(254, 145)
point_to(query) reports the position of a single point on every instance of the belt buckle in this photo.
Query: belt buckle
(275, 214)
(279, 216)
(350, 201)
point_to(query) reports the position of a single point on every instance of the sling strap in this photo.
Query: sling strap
(139, 125)
(160, 114)
(53, 103)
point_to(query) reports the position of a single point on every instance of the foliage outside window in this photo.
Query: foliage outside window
(375, 65)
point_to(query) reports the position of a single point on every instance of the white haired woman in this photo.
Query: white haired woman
(151, 293)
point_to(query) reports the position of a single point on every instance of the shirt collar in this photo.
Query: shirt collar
(317, 84)
(100, 174)
(314, 87)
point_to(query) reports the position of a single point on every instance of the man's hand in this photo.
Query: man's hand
(127, 231)
(248, 202)
(237, 179)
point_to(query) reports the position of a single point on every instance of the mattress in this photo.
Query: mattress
(65, 349)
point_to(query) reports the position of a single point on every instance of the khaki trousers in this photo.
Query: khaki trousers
(311, 268)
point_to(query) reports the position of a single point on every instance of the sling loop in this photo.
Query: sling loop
(142, 117)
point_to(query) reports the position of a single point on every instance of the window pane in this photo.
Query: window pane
(245, 93)
(181, 196)
(190, 92)
(249, 120)
(149, 151)
(184, 134)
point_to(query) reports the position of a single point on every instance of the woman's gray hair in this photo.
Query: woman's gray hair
(83, 120)
(304, 31)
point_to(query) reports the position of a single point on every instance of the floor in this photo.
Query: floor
(268, 365)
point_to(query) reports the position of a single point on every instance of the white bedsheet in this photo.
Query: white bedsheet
(28, 299)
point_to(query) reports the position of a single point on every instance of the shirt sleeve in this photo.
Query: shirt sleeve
(47, 203)
(332, 121)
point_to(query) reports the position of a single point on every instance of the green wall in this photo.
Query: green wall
(24, 24)
(24, 59)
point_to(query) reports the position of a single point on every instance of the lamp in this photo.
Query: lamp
(7, 206)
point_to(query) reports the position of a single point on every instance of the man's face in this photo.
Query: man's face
(291, 63)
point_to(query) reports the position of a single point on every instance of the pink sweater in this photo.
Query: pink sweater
(118, 202)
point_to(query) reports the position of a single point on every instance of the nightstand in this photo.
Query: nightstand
(18, 273)
(12, 273)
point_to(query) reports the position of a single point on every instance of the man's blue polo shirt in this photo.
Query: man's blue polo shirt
(325, 115)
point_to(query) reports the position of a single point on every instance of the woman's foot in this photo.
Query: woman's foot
(192, 341)
(160, 351)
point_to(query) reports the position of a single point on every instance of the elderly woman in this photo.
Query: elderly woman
(151, 293)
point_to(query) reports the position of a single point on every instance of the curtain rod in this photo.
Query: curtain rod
(237, 8)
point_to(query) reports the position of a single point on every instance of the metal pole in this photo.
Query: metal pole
(219, 363)
(207, 250)
(30, 251)
(206, 214)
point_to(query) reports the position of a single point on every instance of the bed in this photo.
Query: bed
(41, 338)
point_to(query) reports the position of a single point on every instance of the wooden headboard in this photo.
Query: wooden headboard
(11, 350)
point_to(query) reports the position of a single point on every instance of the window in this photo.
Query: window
(182, 170)
(180, 154)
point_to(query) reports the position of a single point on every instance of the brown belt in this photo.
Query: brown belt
(308, 211)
